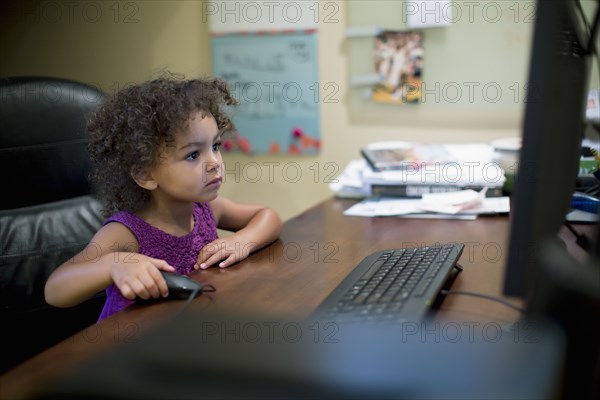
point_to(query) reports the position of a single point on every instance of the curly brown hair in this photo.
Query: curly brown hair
(128, 132)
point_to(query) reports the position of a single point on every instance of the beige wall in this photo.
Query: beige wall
(110, 44)
(105, 43)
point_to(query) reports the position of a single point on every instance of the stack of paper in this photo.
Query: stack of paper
(466, 204)
(474, 168)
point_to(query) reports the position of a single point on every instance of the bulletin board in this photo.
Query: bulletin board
(274, 75)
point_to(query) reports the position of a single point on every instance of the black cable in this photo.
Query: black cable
(205, 289)
(592, 41)
(483, 296)
(191, 297)
(208, 288)
(581, 239)
(588, 26)
(592, 31)
(573, 231)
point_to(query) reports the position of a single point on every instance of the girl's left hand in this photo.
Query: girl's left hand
(227, 250)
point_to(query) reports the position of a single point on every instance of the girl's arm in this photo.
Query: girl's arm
(111, 256)
(255, 226)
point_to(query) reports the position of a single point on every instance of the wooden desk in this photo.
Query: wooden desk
(291, 277)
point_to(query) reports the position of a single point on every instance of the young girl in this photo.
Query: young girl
(156, 164)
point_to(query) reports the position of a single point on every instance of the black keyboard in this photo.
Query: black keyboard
(392, 285)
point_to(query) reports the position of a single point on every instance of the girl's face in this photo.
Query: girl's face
(191, 170)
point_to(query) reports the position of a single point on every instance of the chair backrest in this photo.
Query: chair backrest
(43, 154)
(47, 212)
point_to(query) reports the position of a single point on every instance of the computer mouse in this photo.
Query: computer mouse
(180, 286)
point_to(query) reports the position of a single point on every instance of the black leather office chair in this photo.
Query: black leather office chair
(47, 212)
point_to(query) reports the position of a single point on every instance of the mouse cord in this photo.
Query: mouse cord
(206, 288)
(191, 297)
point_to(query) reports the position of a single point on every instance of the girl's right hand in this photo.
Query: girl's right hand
(137, 275)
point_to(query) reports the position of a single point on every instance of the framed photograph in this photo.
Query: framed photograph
(399, 59)
(592, 112)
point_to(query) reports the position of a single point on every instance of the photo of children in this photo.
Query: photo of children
(399, 64)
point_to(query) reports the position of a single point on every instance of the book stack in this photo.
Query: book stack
(409, 170)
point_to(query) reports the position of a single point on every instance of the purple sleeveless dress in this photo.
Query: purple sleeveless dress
(181, 252)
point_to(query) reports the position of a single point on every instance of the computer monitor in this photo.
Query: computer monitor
(551, 139)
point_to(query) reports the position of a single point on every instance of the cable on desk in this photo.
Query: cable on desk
(483, 296)
(581, 239)
(205, 289)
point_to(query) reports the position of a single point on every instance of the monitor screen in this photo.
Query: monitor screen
(551, 139)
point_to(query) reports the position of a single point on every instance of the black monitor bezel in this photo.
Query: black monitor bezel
(551, 141)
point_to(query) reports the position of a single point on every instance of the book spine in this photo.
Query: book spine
(416, 191)
(371, 163)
